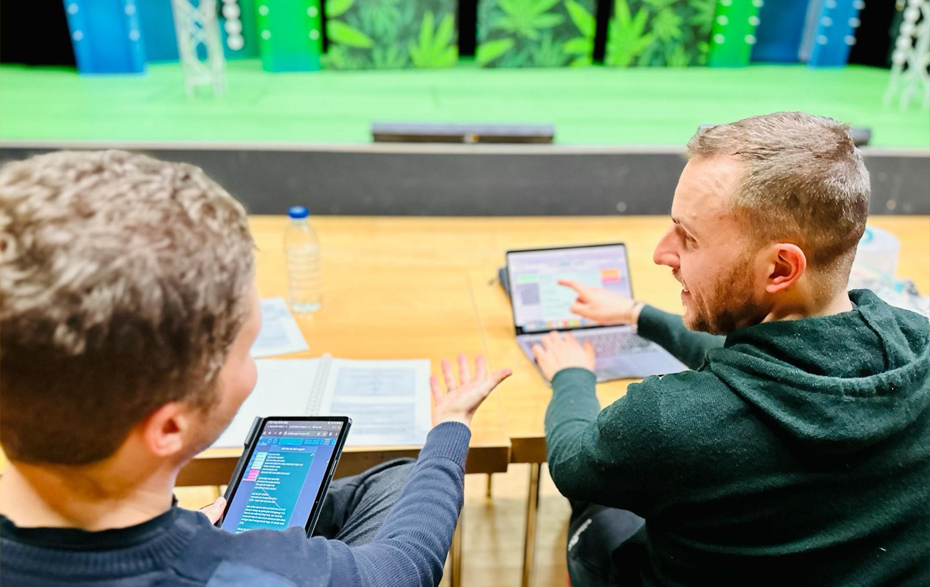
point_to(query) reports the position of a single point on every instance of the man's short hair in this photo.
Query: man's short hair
(803, 181)
(123, 286)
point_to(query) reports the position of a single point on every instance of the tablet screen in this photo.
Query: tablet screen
(284, 475)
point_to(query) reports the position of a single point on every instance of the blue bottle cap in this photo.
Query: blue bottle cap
(297, 212)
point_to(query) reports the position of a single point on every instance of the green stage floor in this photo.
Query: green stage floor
(593, 106)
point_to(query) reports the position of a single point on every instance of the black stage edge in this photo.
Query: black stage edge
(474, 180)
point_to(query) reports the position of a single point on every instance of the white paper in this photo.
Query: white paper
(280, 333)
(388, 401)
(284, 388)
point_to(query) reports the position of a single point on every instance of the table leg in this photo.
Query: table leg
(456, 578)
(532, 511)
(488, 492)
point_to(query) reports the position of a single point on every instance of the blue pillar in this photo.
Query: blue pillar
(835, 32)
(161, 42)
(106, 35)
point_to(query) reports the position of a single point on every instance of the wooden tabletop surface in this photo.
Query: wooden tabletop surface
(425, 287)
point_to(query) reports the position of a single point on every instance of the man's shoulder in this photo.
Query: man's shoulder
(692, 401)
(684, 387)
(177, 547)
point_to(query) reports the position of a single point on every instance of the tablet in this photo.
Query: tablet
(284, 474)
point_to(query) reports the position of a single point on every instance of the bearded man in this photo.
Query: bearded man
(797, 449)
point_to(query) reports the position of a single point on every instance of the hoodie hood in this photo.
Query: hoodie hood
(835, 383)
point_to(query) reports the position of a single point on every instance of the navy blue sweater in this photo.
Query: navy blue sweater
(181, 547)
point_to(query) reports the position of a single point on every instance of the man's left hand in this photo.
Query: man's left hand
(555, 352)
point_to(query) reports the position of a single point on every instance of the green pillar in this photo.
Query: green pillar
(289, 34)
(734, 33)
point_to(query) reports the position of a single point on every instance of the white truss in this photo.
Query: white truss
(196, 25)
(910, 77)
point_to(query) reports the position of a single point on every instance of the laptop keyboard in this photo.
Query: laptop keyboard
(608, 344)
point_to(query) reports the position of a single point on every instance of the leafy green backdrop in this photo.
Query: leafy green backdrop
(659, 32)
(535, 33)
(390, 34)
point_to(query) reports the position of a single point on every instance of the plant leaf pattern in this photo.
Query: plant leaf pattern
(388, 57)
(527, 17)
(488, 52)
(535, 33)
(667, 25)
(381, 17)
(336, 8)
(390, 34)
(435, 48)
(626, 35)
(659, 32)
(343, 34)
(703, 16)
(547, 53)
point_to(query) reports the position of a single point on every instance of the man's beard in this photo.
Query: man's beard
(732, 305)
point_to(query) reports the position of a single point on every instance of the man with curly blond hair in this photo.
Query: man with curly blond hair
(127, 311)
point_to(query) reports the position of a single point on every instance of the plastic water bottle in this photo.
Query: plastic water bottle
(304, 274)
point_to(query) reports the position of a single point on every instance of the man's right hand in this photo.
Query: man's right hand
(602, 306)
(463, 397)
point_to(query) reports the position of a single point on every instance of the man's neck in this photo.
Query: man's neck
(809, 307)
(34, 497)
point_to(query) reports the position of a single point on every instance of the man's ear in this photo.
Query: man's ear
(787, 263)
(164, 431)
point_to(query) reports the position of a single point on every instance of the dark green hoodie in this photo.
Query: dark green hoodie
(795, 453)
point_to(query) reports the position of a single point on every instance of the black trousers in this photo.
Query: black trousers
(595, 537)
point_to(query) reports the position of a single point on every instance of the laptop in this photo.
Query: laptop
(541, 305)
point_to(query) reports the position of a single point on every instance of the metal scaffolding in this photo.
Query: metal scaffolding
(199, 47)
(910, 77)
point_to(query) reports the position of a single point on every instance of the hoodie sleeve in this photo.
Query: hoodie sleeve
(669, 332)
(603, 456)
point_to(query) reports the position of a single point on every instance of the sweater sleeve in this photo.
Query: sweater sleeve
(603, 456)
(410, 548)
(669, 332)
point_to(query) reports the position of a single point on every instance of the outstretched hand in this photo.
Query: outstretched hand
(602, 306)
(463, 396)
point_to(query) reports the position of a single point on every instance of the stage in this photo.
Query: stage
(279, 139)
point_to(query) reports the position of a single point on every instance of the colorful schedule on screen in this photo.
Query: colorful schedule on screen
(541, 304)
(284, 475)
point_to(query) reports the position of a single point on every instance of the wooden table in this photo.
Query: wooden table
(387, 295)
(410, 287)
(444, 263)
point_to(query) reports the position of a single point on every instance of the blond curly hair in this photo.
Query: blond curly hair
(122, 288)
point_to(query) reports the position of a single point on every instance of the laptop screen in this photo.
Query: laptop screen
(540, 304)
